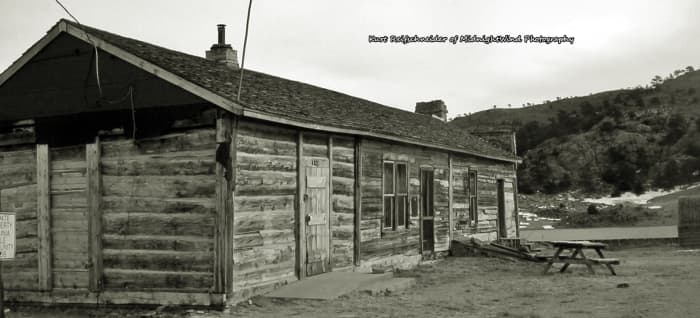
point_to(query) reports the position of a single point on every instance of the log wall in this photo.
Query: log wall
(18, 193)
(487, 202)
(393, 247)
(343, 202)
(158, 212)
(264, 207)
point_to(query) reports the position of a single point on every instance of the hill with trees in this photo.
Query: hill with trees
(606, 143)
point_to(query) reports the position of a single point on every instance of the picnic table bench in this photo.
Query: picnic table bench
(576, 255)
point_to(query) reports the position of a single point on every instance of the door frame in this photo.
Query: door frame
(421, 211)
(326, 164)
(501, 206)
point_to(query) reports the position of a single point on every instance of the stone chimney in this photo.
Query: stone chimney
(222, 52)
(434, 108)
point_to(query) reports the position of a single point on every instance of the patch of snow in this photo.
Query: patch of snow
(547, 227)
(654, 207)
(629, 197)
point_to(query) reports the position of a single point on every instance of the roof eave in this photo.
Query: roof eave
(290, 122)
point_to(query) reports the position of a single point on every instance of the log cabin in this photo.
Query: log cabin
(143, 175)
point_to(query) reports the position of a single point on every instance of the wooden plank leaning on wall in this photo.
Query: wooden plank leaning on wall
(43, 216)
(94, 196)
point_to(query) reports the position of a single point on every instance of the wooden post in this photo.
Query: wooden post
(223, 157)
(43, 216)
(300, 218)
(358, 200)
(450, 187)
(228, 247)
(330, 203)
(94, 197)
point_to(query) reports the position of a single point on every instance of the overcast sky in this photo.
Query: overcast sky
(617, 44)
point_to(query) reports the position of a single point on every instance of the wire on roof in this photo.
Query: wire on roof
(245, 43)
(94, 46)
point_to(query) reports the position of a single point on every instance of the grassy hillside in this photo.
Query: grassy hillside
(610, 142)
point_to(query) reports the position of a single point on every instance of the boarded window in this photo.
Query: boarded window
(395, 177)
(472, 194)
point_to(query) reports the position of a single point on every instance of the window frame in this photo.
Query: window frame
(395, 196)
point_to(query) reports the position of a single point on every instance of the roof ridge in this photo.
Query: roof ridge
(298, 100)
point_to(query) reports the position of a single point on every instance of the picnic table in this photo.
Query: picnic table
(576, 255)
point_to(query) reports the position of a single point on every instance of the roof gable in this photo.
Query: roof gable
(276, 99)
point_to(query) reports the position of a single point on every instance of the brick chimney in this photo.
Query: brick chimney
(434, 108)
(222, 52)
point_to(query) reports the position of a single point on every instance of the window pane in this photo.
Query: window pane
(388, 178)
(388, 211)
(472, 183)
(400, 211)
(401, 179)
(414, 206)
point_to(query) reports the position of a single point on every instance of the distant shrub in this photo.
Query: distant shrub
(593, 210)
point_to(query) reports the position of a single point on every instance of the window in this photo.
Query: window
(472, 194)
(395, 194)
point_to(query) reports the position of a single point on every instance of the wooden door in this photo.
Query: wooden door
(317, 216)
(502, 232)
(427, 212)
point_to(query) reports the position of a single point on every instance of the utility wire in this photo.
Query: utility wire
(245, 42)
(97, 59)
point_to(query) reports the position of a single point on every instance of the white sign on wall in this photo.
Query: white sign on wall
(7, 235)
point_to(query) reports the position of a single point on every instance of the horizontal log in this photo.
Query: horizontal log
(26, 228)
(125, 279)
(158, 260)
(113, 204)
(25, 280)
(70, 260)
(23, 262)
(68, 199)
(196, 139)
(77, 165)
(266, 190)
(172, 164)
(21, 200)
(75, 279)
(260, 259)
(158, 223)
(342, 219)
(157, 242)
(69, 241)
(159, 186)
(260, 146)
(317, 151)
(245, 222)
(263, 276)
(343, 186)
(264, 162)
(343, 153)
(342, 169)
(27, 244)
(265, 131)
(69, 219)
(263, 203)
(16, 178)
(17, 157)
(67, 153)
(265, 178)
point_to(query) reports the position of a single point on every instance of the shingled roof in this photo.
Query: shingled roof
(301, 104)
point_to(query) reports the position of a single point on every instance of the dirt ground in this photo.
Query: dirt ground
(651, 282)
